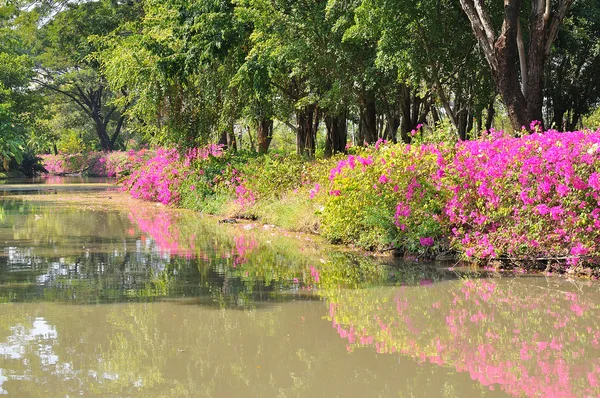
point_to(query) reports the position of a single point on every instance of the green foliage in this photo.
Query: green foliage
(15, 101)
(385, 197)
(593, 119)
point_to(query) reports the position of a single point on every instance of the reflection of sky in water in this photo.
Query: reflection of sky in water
(35, 343)
(37, 340)
(14, 348)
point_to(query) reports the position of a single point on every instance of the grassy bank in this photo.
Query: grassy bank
(533, 200)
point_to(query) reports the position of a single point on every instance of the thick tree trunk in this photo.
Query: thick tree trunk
(105, 142)
(264, 134)
(506, 76)
(306, 136)
(536, 59)
(369, 120)
(523, 102)
(337, 134)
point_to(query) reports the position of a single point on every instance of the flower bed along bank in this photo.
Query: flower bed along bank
(499, 198)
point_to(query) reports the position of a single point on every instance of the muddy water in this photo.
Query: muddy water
(124, 299)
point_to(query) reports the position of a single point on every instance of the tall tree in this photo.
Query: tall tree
(517, 64)
(65, 67)
(15, 98)
(573, 82)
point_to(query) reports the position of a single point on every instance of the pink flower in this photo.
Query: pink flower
(426, 241)
(315, 190)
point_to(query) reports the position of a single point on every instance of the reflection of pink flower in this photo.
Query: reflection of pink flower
(506, 342)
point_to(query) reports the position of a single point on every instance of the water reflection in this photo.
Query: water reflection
(173, 349)
(193, 308)
(67, 253)
(527, 336)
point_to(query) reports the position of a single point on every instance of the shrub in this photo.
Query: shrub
(387, 195)
(535, 196)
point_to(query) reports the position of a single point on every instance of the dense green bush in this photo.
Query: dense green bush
(387, 196)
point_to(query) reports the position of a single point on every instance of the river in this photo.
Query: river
(101, 295)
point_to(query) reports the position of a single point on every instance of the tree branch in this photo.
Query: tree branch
(65, 93)
(557, 20)
(84, 97)
(482, 29)
(109, 114)
(117, 130)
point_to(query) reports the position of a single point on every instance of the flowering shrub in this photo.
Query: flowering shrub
(496, 198)
(158, 178)
(535, 196)
(70, 163)
(98, 164)
(387, 195)
(499, 197)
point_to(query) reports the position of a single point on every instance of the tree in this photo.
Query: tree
(16, 102)
(517, 66)
(431, 54)
(65, 67)
(573, 82)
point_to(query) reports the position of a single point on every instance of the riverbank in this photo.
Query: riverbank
(500, 201)
(5, 175)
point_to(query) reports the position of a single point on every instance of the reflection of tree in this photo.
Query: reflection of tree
(180, 349)
(64, 253)
(525, 336)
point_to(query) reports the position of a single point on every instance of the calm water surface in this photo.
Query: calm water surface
(144, 301)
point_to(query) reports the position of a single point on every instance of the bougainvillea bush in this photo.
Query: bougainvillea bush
(534, 196)
(157, 176)
(500, 197)
(97, 164)
(387, 195)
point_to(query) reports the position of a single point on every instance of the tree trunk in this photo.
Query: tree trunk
(462, 125)
(478, 122)
(392, 126)
(491, 112)
(369, 119)
(227, 140)
(469, 132)
(337, 134)
(524, 103)
(264, 134)
(536, 59)
(558, 117)
(306, 136)
(105, 142)
(506, 76)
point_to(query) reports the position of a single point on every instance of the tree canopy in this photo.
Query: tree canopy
(93, 74)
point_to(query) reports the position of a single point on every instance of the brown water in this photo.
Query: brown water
(102, 300)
